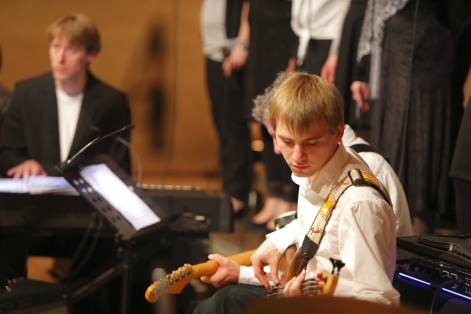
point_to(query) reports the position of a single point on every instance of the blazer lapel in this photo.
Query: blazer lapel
(48, 99)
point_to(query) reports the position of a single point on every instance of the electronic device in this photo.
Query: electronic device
(434, 272)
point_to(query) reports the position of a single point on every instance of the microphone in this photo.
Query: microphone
(94, 142)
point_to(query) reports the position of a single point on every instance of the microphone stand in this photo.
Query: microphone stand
(97, 140)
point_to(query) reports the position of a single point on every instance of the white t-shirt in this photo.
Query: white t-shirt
(68, 110)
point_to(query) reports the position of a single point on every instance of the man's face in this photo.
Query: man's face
(69, 62)
(307, 152)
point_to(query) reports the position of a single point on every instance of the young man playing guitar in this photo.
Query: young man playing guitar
(306, 113)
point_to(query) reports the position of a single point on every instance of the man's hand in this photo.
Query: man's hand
(291, 66)
(25, 169)
(360, 94)
(235, 61)
(266, 254)
(294, 286)
(228, 271)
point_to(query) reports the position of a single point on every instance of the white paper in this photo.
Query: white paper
(37, 185)
(119, 195)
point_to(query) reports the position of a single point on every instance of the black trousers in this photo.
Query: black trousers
(462, 205)
(317, 53)
(231, 299)
(231, 120)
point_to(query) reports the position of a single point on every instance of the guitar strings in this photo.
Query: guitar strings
(311, 286)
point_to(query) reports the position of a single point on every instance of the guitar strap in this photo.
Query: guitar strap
(355, 177)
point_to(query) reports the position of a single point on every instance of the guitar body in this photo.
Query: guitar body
(292, 264)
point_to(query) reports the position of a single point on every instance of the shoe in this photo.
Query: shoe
(238, 208)
(239, 213)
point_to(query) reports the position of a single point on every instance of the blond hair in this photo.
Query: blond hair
(76, 28)
(303, 99)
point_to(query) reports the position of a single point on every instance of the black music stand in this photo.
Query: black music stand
(116, 197)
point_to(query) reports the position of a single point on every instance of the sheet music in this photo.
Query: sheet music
(37, 185)
(119, 195)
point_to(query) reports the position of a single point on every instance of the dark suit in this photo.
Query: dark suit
(31, 130)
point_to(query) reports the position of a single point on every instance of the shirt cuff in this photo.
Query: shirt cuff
(247, 276)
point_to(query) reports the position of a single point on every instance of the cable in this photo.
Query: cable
(136, 156)
(89, 252)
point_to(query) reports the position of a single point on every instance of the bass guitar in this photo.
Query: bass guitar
(290, 265)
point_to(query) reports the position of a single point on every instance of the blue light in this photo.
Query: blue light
(456, 293)
(415, 279)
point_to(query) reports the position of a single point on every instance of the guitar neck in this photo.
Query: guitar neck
(174, 282)
(210, 267)
(243, 259)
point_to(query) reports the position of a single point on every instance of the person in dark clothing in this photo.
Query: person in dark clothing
(460, 170)
(225, 35)
(52, 117)
(405, 83)
(5, 95)
(271, 45)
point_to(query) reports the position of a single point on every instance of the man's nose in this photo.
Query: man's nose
(61, 55)
(298, 152)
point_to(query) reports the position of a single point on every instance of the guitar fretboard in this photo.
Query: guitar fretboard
(310, 287)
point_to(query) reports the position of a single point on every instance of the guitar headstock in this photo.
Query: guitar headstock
(173, 283)
(330, 280)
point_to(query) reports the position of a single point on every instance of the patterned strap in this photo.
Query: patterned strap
(355, 177)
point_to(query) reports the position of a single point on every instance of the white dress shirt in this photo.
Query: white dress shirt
(361, 232)
(387, 176)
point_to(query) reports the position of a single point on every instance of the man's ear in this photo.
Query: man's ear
(91, 56)
(339, 132)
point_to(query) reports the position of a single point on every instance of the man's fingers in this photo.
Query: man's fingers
(274, 273)
(261, 276)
